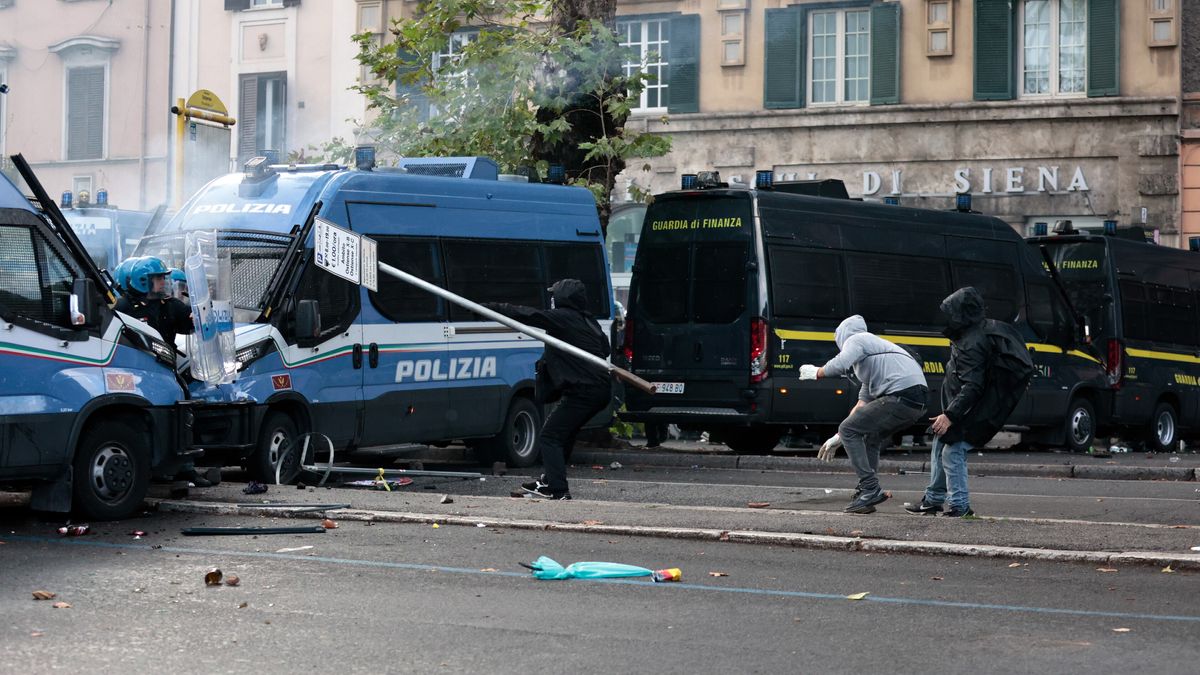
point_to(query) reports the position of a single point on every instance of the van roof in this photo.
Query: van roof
(833, 210)
(283, 200)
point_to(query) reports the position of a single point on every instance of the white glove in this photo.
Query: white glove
(808, 372)
(829, 449)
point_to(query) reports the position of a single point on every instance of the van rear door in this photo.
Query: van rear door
(692, 300)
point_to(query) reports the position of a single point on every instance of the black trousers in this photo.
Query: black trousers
(575, 408)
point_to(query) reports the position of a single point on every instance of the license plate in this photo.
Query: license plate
(668, 387)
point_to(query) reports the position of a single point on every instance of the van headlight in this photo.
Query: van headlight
(162, 351)
(248, 355)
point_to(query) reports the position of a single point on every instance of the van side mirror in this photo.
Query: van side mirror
(308, 323)
(84, 306)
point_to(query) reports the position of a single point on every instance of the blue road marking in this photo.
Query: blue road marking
(638, 582)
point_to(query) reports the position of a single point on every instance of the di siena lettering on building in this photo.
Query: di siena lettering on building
(988, 180)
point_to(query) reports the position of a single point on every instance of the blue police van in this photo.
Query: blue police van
(373, 369)
(90, 405)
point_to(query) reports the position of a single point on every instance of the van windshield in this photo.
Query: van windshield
(1083, 268)
(692, 260)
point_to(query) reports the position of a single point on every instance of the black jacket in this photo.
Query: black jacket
(570, 322)
(169, 317)
(976, 401)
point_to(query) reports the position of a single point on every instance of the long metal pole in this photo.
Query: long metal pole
(518, 326)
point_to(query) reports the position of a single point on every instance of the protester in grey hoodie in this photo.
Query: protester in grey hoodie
(891, 398)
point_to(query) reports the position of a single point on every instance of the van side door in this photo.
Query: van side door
(407, 375)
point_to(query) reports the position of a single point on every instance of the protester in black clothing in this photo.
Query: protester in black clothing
(148, 299)
(585, 389)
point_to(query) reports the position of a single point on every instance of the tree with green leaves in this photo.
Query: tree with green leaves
(530, 83)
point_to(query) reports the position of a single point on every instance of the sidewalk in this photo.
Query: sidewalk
(988, 462)
(1016, 538)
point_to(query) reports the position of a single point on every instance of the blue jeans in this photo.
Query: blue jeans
(948, 474)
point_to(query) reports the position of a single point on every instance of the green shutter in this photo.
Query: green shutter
(416, 96)
(885, 53)
(85, 113)
(1103, 48)
(995, 69)
(783, 81)
(683, 80)
(247, 120)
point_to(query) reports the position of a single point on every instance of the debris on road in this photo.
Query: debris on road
(297, 506)
(724, 536)
(1106, 569)
(44, 595)
(446, 499)
(137, 534)
(213, 577)
(718, 574)
(232, 580)
(937, 578)
(254, 488)
(381, 483)
(1168, 570)
(858, 596)
(669, 574)
(74, 530)
(436, 526)
(615, 465)
(329, 524)
(243, 605)
(593, 522)
(1121, 630)
(61, 605)
(757, 505)
(1019, 564)
(213, 531)
(549, 569)
(293, 550)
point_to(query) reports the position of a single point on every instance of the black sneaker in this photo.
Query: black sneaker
(923, 508)
(959, 513)
(864, 502)
(534, 485)
(544, 492)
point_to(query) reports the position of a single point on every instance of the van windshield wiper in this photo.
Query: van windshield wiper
(291, 259)
(63, 229)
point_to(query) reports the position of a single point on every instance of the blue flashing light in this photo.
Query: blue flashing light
(962, 202)
(688, 181)
(66, 200)
(101, 197)
(764, 178)
(1041, 229)
(1110, 227)
(364, 157)
(891, 201)
(556, 173)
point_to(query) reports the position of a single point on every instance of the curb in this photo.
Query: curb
(813, 465)
(795, 539)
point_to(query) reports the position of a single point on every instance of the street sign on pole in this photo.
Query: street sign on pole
(345, 254)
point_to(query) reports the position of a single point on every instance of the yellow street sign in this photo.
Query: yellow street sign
(206, 100)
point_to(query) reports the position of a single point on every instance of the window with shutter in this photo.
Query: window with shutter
(85, 112)
(648, 41)
(262, 121)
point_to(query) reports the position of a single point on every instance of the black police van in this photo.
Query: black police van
(734, 289)
(1141, 300)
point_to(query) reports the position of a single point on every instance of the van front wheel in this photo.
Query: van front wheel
(275, 436)
(516, 444)
(111, 470)
(753, 441)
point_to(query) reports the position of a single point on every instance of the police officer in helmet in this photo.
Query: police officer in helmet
(148, 299)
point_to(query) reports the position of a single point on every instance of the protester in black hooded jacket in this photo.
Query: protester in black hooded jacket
(585, 388)
(967, 403)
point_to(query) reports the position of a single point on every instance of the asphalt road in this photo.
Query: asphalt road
(412, 598)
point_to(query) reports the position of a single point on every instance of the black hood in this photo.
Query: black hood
(964, 309)
(569, 294)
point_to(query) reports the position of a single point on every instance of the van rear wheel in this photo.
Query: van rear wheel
(753, 441)
(1164, 428)
(1080, 425)
(516, 444)
(111, 470)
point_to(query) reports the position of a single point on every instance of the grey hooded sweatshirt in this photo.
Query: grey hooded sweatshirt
(881, 367)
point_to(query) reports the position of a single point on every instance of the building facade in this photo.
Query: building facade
(1040, 109)
(87, 100)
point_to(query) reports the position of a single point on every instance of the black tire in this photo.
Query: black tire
(278, 431)
(1163, 433)
(1079, 427)
(516, 444)
(111, 470)
(753, 441)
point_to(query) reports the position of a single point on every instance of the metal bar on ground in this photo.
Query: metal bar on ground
(297, 506)
(518, 326)
(362, 471)
(205, 531)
